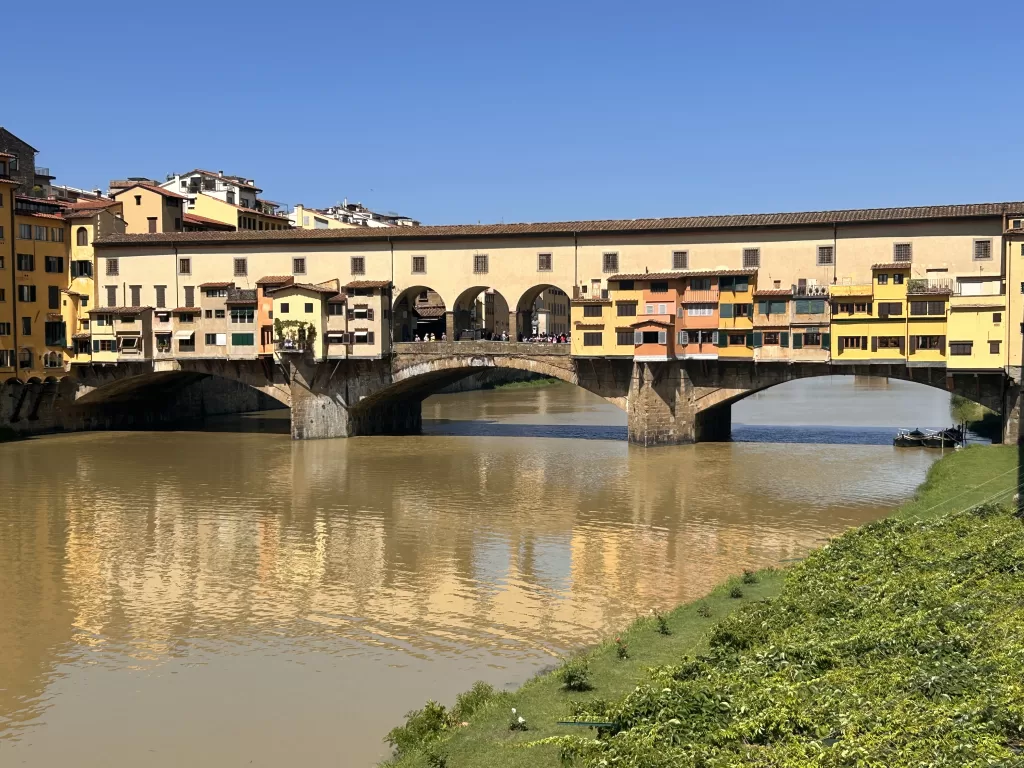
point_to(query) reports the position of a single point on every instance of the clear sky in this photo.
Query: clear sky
(532, 111)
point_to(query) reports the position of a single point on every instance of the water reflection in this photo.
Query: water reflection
(223, 597)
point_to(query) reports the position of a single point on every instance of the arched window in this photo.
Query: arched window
(83, 236)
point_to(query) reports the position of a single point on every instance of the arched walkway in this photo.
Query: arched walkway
(418, 311)
(480, 312)
(542, 310)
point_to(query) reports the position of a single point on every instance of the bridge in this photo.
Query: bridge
(677, 401)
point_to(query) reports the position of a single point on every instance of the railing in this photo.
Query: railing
(700, 297)
(926, 285)
(40, 171)
(863, 289)
(815, 291)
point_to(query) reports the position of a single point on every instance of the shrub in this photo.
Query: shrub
(662, 624)
(422, 726)
(621, 651)
(736, 592)
(575, 674)
(466, 704)
(750, 577)
(518, 722)
(704, 611)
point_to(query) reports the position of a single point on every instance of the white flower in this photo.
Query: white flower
(513, 710)
(522, 720)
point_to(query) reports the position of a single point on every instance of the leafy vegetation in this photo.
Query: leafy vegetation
(977, 417)
(575, 675)
(899, 644)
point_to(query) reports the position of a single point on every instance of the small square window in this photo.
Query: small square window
(982, 250)
(309, 308)
(751, 258)
(680, 260)
(543, 262)
(284, 308)
(298, 266)
(993, 347)
(241, 267)
(826, 255)
(113, 268)
(997, 317)
(480, 263)
(184, 266)
(902, 252)
(419, 265)
(610, 262)
(883, 279)
(358, 265)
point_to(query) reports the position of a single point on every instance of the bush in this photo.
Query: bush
(575, 674)
(750, 577)
(466, 704)
(704, 611)
(621, 650)
(662, 624)
(736, 592)
(422, 726)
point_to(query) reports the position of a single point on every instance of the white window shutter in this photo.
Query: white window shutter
(714, 338)
(638, 338)
(663, 337)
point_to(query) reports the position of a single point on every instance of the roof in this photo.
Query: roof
(650, 322)
(774, 292)
(275, 280)
(39, 215)
(202, 221)
(79, 336)
(241, 296)
(305, 287)
(368, 283)
(151, 188)
(117, 310)
(6, 154)
(238, 181)
(185, 310)
(429, 310)
(80, 211)
(338, 298)
(623, 226)
(590, 301)
(19, 139)
(216, 285)
(892, 265)
(1014, 232)
(684, 273)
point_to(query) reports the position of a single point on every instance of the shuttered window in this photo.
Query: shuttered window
(592, 339)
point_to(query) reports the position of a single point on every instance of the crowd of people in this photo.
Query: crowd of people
(537, 338)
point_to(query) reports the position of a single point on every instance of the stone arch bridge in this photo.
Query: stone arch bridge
(665, 402)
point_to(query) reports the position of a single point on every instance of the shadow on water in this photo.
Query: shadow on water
(482, 428)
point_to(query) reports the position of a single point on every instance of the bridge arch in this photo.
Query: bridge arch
(418, 310)
(483, 309)
(544, 309)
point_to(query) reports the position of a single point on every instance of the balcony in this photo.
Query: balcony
(700, 297)
(921, 286)
(864, 289)
(810, 291)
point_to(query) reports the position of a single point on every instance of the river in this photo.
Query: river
(231, 597)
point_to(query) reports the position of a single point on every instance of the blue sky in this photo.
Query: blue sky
(533, 111)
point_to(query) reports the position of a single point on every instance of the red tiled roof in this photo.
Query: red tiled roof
(202, 221)
(305, 287)
(774, 292)
(151, 188)
(186, 310)
(639, 323)
(683, 273)
(622, 226)
(216, 285)
(590, 301)
(366, 283)
(1014, 232)
(275, 280)
(429, 310)
(80, 336)
(38, 215)
(892, 265)
(117, 310)
(338, 298)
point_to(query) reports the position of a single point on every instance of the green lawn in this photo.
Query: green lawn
(961, 480)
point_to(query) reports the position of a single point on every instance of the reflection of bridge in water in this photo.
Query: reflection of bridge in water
(674, 401)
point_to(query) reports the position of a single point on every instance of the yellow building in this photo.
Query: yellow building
(299, 309)
(87, 221)
(736, 314)
(976, 330)
(594, 330)
(147, 209)
(41, 276)
(310, 218)
(209, 207)
(928, 302)
(8, 350)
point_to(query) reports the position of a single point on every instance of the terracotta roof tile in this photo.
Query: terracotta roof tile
(683, 273)
(430, 310)
(623, 226)
(151, 188)
(80, 336)
(202, 221)
(365, 283)
(892, 265)
(275, 280)
(338, 298)
(306, 287)
(774, 292)
(216, 285)
(186, 310)
(117, 310)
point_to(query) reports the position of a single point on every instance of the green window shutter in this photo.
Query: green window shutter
(803, 307)
(750, 310)
(725, 310)
(758, 338)
(798, 341)
(762, 307)
(826, 341)
(817, 306)
(723, 339)
(777, 308)
(784, 339)
(750, 338)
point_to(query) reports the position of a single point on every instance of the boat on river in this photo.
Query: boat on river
(929, 438)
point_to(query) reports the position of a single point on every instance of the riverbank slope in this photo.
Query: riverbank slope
(928, 586)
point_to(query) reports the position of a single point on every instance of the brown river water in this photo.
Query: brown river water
(231, 597)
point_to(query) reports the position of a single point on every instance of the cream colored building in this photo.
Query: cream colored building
(147, 209)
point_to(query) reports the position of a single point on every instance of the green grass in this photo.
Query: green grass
(545, 381)
(959, 481)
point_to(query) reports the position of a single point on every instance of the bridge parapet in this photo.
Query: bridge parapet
(481, 347)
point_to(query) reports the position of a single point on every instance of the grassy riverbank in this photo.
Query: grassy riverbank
(543, 381)
(901, 643)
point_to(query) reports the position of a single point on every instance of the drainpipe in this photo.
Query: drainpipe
(835, 250)
(391, 307)
(14, 291)
(575, 261)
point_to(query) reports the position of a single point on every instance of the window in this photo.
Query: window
(659, 286)
(751, 258)
(54, 264)
(626, 309)
(862, 307)
(982, 250)
(209, 314)
(57, 235)
(592, 310)
(26, 326)
(592, 339)
(138, 199)
(771, 338)
(177, 222)
(26, 262)
(309, 308)
(284, 308)
(25, 231)
(649, 309)
(902, 252)
(53, 297)
(1, 229)
(883, 278)
(40, 233)
(84, 301)
(136, 295)
(927, 308)
(889, 342)
(103, 345)
(543, 262)
(812, 338)
(997, 317)
(55, 333)
(81, 268)
(826, 255)
(810, 306)
(244, 315)
(624, 338)
(358, 265)
(184, 266)
(850, 342)
(242, 339)
(113, 268)
(889, 309)
(111, 295)
(627, 285)
(298, 266)
(161, 296)
(190, 295)
(736, 339)
(741, 310)
(738, 284)
(152, 224)
(680, 260)
(216, 339)
(26, 293)
(336, 308)
(241, 267)
(218, 314)
(700, 310)
(3, 294)
(419, 264)
(5, 329)
(700, 283)
(925, 342)
(480, 263)
(610, 262)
